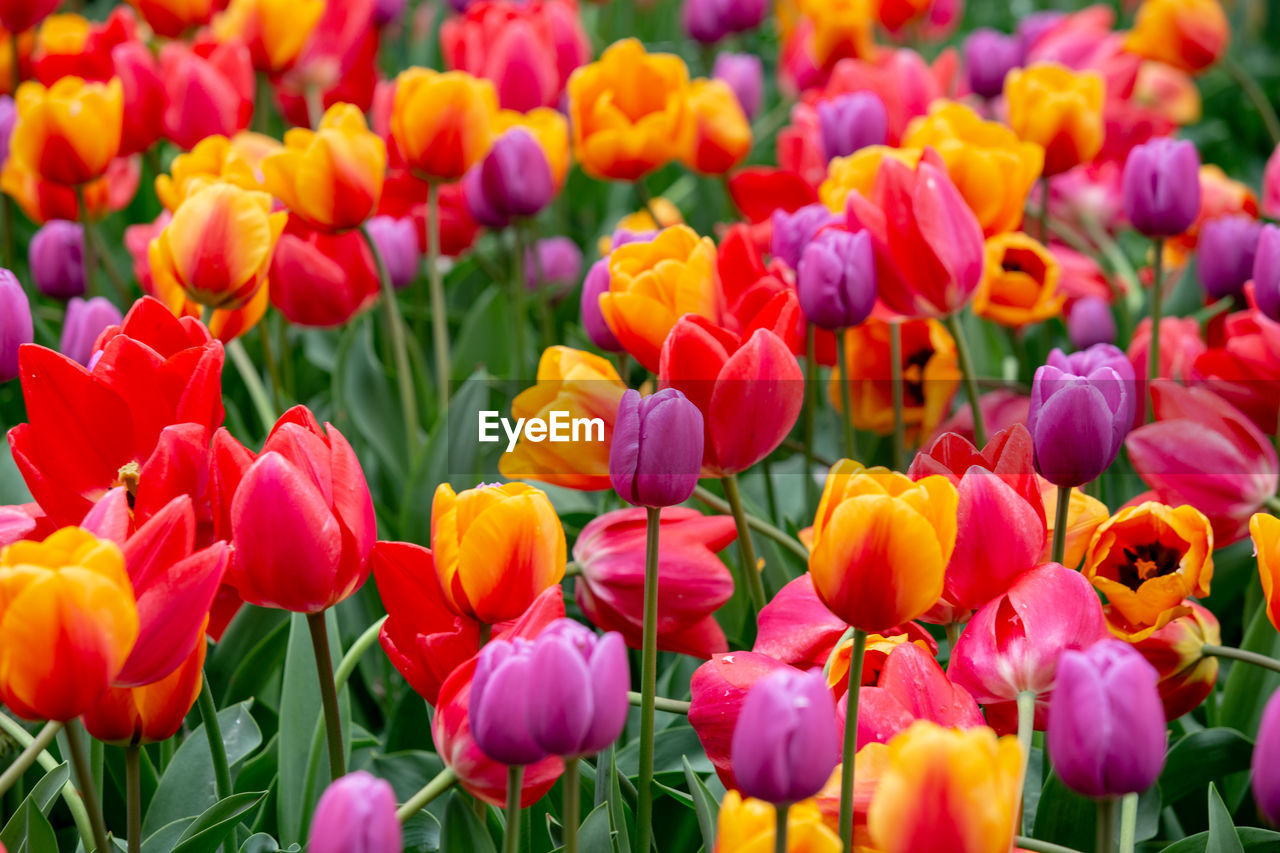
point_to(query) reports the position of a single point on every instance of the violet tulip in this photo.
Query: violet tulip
(837, 279)
(1266, 272)
(1266, 762)
(708, 21)
(744, 73)
(786, 741)
(397, 242)
(793, 231)
(1162, 187)
(56, 256)
(513, 180)
(497, 711)
(1091, 322)
(8, 118)
(577, 700)
(1225, 254)
(593, 322)
(989, 55)
(657, 448)
(1082, 406)
(15, 324)
(553, 265)
(1106, 732)
(356, 814)
(85, 320)
(852, 121)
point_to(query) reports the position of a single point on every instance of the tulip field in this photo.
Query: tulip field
(639, 426)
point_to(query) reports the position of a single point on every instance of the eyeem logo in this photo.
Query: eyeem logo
(559, 427)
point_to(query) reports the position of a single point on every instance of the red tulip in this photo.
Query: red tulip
(152, 713)
(403, 195)
(339, 60)
(145, 100)
(693, 583)
(322, 279)
(210, 89)
(901, 78)
(912, 686)
(758, 191)
(87, 55)
(18, 16)
(1244, 369)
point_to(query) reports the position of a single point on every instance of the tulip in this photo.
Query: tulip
(577, 698)
(1058, 109)
(550, 129)
(144, 97)
(1243, 367)
(152, 713)
(746, 826)
(442, 123)
(356, 814)
(8, 118)
(989, 56)
(302, 519)
(836, 279)
(850, 122)
(1106, 733)
(785, 743)
(553, 266)
(1187, 674)
(56, 256)
(338, 63)
(77, 606)
(69, 133)
(15, 324)
(1227, 249)
(721, 136)
(594, 324)
(1266, 789)
(274, 30)
(209, 89)
(42, 200)
(792, 232)
(388, 11)
(911, 686)
(321, 278)
(171, 18)
(1090, 322)
(1085, 515)
(1264, 530)
(708, 21)
(397, 243)
(1082, 406)
(504, 678)
(332, 178)
(947, 790)
(18, 16)
(1270, 182)
(744, 73)
(1188, 34)
(1161, 188)
(718, 689)
(1020, 282)
(511, 526)
(512, 181)
(237, 160)
(85, 320)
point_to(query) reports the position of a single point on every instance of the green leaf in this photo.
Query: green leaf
(264, 843)
(704, 806)
(670, 746)
(1201, 756)
(363, 396)
(1222, 830)
(205, 833)
(1252, 839)
(461, 831)
(41, 796)
(422, 833)
(1064, 817)
(38, 835)
(187, 787)
(1248, 687)
(619, 814)
(595, 832)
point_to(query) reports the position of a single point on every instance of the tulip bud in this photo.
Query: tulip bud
(356, 814)
(1187, 675)
(16, 328)
(386, 11)
(1266, 272)
(793, 231)
(708, 21)
(85, 320)
(786, 742)
(56, 256)
(513, 180)
(852, 121)
(499, 690)
(744, 74)
(1162, 187)
(596, 283)
(553, 265)
(989, 55)
(1266, 762)
(1090, 322)
(1106, 724)
(1226, 251)
(8, 118)
(397, 242)
(657, 448)
(837, 279)
(577, 700)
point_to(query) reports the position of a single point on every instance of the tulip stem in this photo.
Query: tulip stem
(399, 348)
(1241, 655)
(846, 408)
(646, 201)
(1128, 822)
(133, 797)
(851, 737)
(88, 790)
(757, 524)
(1038, 846)
(517, 296)
(1272, 502)
(252, 383)
(443, 781)
(217, 748)
(1061, 517)
(899, 387)
(661, 703)
(48, 763)
(1106, 825)
(1153, 350)
(970, 378)
(1026, 727)
(810, 407)
(780, 834)
(28, 756)
(572, 804)
(648, 680)
(750, 571)
(90, 276)
(328, 693)
(1044, 210)
(439, 310)
(1253, 91)
(515, 781)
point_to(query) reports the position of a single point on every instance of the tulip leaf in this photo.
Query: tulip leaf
(1248, 687)
(38, 835)
(461, 831)
(205, 833)
(595, 832)
(1251, 838)
(619, 814)
(1064, 817)
(257, 655)
(479, 344)
(704, 806)
(42, 796)
(422, 833)
(264, 843)
(362, 395)
(1222, 830)
(670, 746)
(1202, 756)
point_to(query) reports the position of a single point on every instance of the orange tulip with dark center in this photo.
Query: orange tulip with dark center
(1020, 283)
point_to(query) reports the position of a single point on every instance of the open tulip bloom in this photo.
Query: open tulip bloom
(651, 427)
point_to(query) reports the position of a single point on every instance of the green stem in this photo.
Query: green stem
(648, 680)
(315, 105)
(759, 525)
(1153, 352)
(217, 748)
(75, 804)
(517, 295)
(1044, 210)
(328, 693)
(1128, 822)
(646, 201)
(750, 571)
(28, 756)
(1120, 266)
(252, 383)
(1060, 520)
(1106, 825)
(846, 408)
(1026, 728)
(851, 737)
(970, 379)
(1231, 653)
(89, 791)
(1254, 92)
(90, 263)
(133, 797)
(899, 410)
(103, 255)
(1038, 846)
(1272, 502)
(6, 231)
(810, 407)
(399, 348)
(572, 804)
(515, 780)
(273, 369)
(439, 310)
(661, 703)
(443, 781)
(780, 833)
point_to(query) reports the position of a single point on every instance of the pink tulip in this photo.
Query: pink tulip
(15, 524)
(718, 688)
(912, 687)
(1271, 186)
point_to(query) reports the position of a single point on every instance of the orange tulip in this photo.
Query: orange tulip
(991, 167)
(69, 133)
(630, 111)
(550, 128)
(857, 173)
(274, 30)
(1020, 282)
(641, 221)
(947, 789)
(1085, 515)
(1146, 559)
(840, 29)
(237, 160)
(1187, 674)
(171, 18)
(721, 133)
(68, 622)
(881, 543)
(217, 249)
(152, 713)
(1264, 529)
(750, 826)
(331, 178)
(1187, 34)
(582, 385)
(654, 284)
(495, 548)
(443, 123)
(1058, 109)
(43, 200)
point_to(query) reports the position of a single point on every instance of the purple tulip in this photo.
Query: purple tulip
(793, 231)
(744, 15)
(656, 452)
(386, 11)
(989, 55)
(85, 320)
(708, 21)
(512, 181)
(8, 118)
(356, 814)
(1106, 723)
(1266, 762)
(786, 741)
(16, 328)
(1091, 322)
(837, 279)
(593, 322)
(56, 256)
(397, 242)
(1082, 406)
(623, 236)
(554, 264)
(1225, 253)
(1266, 272)
(499, 690)
(1162, 187)
(852, 121)
(577, 701)
(1033, 26)
(744, 74)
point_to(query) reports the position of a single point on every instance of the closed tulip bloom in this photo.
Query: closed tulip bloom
(750, 826)
(909, 686)
(497, 711)
(718, 689)
(744, 73)
(15, 324)
(577, 700)
(989, 55)
(857, 173)
(1266, 272)
(1264, 530)
(153, 712)
(786, 741)
(792, 232)
(69, 133)
(656, 452)
(1162, 187)
(1058, 109)
(356, 814)
(721, 136)
(397, 242)
(85, 320)
(837, 279)
(442, 123)
(237, 160)
(1019, 283)
(1106, 733)
(209, 88)
(171, 18)
(56, 256)
(1226, 252)
(320, 278)
(1188, 34)
(18, 16)
(595, 285)
(1187, 675)
(274, 30)
(1090, 322)
(1266, 758)
(553, 266)
(70, 597)
(8, 118)
(512, 181)
(852, 121)
(145, 100)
